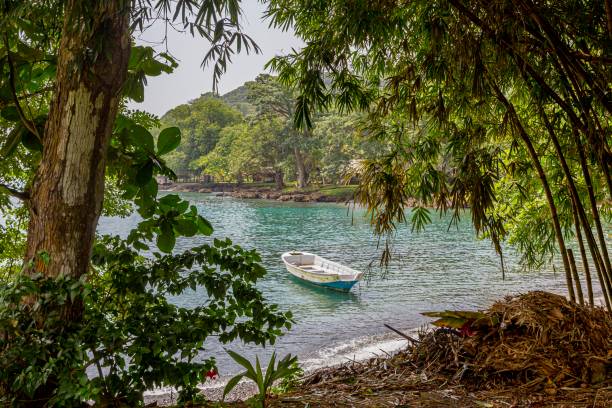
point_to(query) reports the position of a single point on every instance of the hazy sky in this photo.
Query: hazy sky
(189, 80)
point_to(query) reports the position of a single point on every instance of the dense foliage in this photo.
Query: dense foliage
(500, 106)
(84, 317)
(263, 144)
(130, 336)
(201, 122)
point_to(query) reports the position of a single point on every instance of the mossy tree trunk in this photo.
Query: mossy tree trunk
(67, 193)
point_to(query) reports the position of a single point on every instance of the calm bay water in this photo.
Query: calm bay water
(438, 269)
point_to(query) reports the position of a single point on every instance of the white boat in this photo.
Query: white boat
(320, 271)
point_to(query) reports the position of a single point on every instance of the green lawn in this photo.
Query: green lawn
(331, 190)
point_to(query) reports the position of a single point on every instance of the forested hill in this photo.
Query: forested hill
(238, 99)
(248, 135)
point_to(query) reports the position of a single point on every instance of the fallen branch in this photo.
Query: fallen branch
(407, 337)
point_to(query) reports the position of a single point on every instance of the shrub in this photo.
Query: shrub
(286, 368)
(132, 336)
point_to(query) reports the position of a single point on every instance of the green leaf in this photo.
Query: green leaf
(245, 363)
(166, 242)
(10, 113)
(169, 200)
(142, 138)
(144, 174)
(260, 378)
(270, 369)
(150, 189)
(31, 142)
(231, 384)
(204, 226)
(169, 139)
(181, 207)
(286, 367)
(133, 87)
(129, 191)
(187, 228)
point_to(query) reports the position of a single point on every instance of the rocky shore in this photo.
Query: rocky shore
(325, 194)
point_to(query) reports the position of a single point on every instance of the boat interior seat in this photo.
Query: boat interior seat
(311, 268)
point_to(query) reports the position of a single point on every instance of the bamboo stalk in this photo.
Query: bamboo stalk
(570, 255)
(544, 181)
(583, 256)
(604, 283)
(578, 96)
(595, 251)
(593, 201)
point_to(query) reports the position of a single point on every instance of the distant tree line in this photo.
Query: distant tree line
(248, 135)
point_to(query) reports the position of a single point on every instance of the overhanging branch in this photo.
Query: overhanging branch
(21, 195)
(27, 123)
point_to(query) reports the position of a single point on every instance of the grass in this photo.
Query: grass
(329, 190)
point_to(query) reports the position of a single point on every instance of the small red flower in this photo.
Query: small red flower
(466, 329)
(212, 374)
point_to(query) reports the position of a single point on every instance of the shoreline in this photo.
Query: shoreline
(323, 194)
(354, 350)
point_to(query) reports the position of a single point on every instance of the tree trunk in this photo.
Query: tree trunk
(302, 175)
(278, 179)
(69, 185)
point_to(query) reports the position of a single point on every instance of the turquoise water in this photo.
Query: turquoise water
(440, 268)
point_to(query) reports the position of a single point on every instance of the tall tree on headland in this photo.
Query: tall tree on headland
(201, 122)
(272, 99)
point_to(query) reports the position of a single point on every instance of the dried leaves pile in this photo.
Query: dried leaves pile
(539, 340)
(538, 350)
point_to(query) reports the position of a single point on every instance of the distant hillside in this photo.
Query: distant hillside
(237, 99)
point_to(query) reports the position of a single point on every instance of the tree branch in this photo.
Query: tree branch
(21, 195)
(520, 62)
(29, 95)
(541, 174)
(27, 123)
(564, 53)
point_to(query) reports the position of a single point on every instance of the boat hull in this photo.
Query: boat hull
(338, 286)
(329, 281)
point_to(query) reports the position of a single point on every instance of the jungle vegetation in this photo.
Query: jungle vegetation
(501, 107)
(70, 151)
(248, 135)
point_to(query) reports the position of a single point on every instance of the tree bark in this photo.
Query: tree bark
(278, 179)
(302, 175)
(570, 255)
(69, 186)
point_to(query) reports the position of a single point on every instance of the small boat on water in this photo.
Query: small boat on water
(320, 271)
